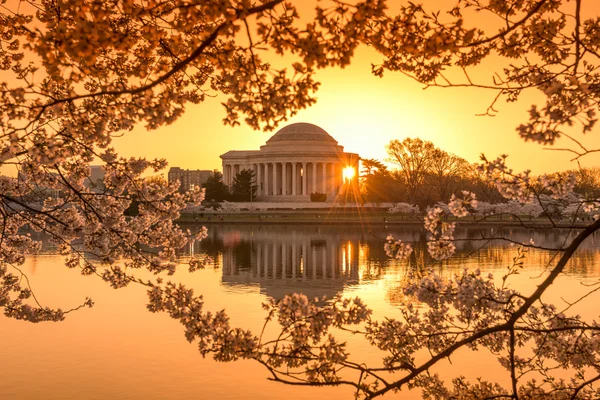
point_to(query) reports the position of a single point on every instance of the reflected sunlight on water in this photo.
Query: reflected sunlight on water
(119, 350)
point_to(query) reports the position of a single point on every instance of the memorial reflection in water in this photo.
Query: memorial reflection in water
(323, 260)
(76, 359)
(284, 259)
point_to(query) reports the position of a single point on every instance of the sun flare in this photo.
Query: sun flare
(348, 173)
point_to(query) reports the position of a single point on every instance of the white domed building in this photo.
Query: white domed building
(296, 161)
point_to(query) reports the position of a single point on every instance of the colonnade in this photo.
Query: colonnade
(301, 260)
(229, 172)
(281, 179)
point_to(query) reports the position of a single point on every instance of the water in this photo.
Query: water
(119, 350)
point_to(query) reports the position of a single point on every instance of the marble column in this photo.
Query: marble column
(254, 169)
(294, 182)
(324, 178)
(284, 179)
(263, 178)
(258, 179)
(335, 179)
(304, 174)
(314, 177)
(332, 180)
(267, 180)
(275, 186)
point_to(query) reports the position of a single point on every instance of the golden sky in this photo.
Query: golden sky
(363, 113)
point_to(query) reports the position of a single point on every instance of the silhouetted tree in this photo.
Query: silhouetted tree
(216, 190)
(476, 182)
(445, 173)
(370, 166)
(588, 182)
(379, 185)
(415, 158)
(243, 187)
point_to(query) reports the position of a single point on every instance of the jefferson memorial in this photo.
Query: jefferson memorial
(296, 161)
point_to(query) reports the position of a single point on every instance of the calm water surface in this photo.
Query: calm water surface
(119, 350)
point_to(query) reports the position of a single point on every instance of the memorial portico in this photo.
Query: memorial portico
(298, 160)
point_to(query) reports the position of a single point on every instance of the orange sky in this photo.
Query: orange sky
(363, 113)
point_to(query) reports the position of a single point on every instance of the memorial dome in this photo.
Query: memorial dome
(302, 131)
(299, 159)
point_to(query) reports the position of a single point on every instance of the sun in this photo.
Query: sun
(348, 173)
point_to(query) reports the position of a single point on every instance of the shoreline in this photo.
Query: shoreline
(364, 220)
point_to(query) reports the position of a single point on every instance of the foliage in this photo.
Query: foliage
(243, 187)
(77, 72)
(476, 182)
(371, 165)
(446, 172)
(318, 197)
(378, 184)
(215, 190)
(415, 159)
(427, 172)
(587, 182)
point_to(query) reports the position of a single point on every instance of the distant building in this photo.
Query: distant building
(41, 190)
(188, 178)
(37, 190)
(95, 181)
(298, 160)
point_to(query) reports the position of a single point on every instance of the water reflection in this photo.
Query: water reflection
(117, 349)
(281, 259)
(322, 261)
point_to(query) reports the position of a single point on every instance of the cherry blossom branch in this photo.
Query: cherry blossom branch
(510, 323)
(176, 68)
(514, 26)
(583, 385)
(577, 38)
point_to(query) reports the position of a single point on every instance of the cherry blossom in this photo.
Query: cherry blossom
(76, 73)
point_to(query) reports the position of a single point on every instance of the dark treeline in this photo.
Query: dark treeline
(242, 189)
(425, 175)
(422, 174)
